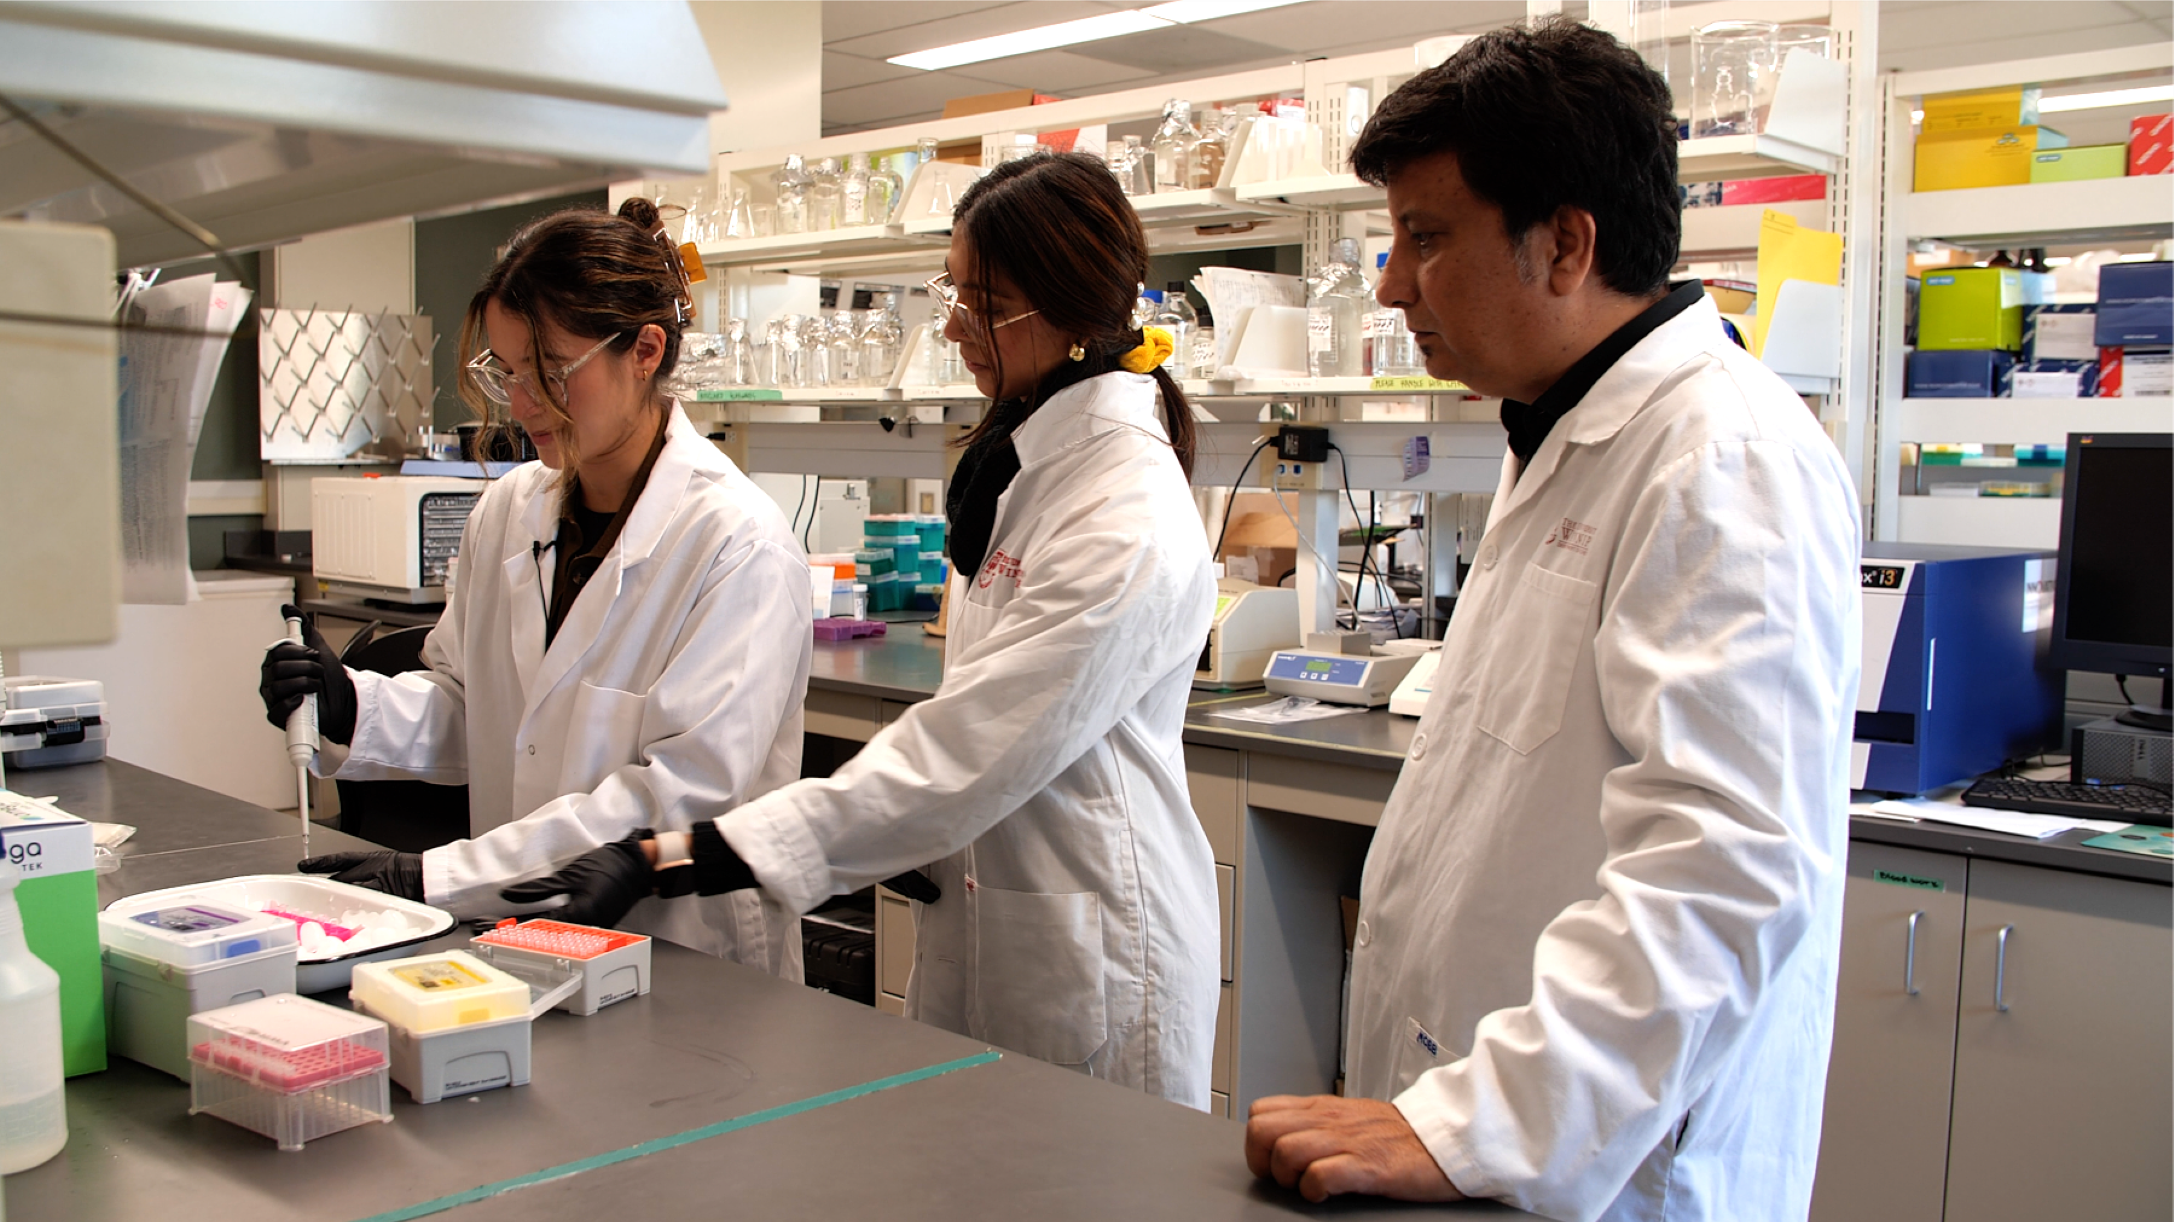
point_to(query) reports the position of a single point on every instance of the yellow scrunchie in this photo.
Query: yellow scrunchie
(1155, 348)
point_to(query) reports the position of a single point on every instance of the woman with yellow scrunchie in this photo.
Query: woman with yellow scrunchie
(1075, 910)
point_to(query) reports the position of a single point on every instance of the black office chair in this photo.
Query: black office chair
(410, 816)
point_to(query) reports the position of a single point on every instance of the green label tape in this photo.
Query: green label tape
(738, 394)
(1895, 879)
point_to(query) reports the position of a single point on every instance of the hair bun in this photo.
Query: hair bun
(642, 212)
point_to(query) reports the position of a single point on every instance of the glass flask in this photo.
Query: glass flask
(791, 180)
(1337, 299)
(941, 201)
(843, 350)
(1214, 146)
(1176, 316)
(739, 354)
(880, 338)
(1174, 142)
(826, 196)
(739, 216)
(885, 189)
(854, 190)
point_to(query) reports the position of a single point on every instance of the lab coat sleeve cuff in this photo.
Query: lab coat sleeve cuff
(438, 877)
(1439, 1130)
(774, 839)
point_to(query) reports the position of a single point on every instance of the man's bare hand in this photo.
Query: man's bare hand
(1323, 1145)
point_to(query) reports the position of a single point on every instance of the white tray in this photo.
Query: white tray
(305, 892)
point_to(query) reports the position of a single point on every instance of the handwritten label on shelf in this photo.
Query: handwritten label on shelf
(1415, 383)
(738, 394)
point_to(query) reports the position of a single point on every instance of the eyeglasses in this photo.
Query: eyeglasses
(492, 376)
(947, 295)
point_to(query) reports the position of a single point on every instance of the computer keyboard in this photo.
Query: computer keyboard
(2135, 803)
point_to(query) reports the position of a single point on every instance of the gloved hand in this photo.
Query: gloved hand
(601, 886)
(291, 672)
(393, 873)
(915, 885)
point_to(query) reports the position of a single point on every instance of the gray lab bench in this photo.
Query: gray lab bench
(1938, 1087)
(723, 1089)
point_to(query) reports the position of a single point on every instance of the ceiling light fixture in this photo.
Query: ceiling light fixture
(1087, 29)
(2111, 97)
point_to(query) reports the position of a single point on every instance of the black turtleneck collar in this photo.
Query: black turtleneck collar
(1529, 423)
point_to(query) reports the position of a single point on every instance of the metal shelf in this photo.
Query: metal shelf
(1734, 228)
(849, 242)
(2095, 210)
(1728, 158)
(1982, 521)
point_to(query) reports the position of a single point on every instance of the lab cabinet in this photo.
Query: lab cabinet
(1883, 1153)
(2064, 1049)
(2002, 1044)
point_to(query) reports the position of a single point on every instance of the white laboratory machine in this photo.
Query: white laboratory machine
(1338, 678)
(389, 537)
(1251, 622)
(1413, 691)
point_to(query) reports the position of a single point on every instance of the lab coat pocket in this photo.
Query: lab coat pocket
(1416, 1053)
(603, 734)
(1039, 986)
(1525, 682)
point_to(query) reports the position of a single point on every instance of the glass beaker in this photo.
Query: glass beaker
(941, 200)
(1730, 62)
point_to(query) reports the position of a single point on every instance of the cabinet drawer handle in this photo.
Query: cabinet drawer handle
(1909, 955)
(2000, 971)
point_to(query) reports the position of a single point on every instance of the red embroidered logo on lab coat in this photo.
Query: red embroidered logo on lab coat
(998, 565)
(1577, 536)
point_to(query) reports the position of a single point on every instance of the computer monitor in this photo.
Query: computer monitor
(2113, 607)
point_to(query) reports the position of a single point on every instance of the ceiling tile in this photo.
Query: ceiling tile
(1061, 72)
(924, 93)
(1189, 50)
(848, 71)
(1306, 28)
(981, 23)
(844, 19)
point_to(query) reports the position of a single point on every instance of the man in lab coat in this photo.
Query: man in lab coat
(1599, 925)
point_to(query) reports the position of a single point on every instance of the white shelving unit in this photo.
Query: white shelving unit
(2061, 213)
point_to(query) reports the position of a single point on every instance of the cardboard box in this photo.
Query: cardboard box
(1999, 157)
(59, 901)
(968, 152)
(1978, 109)
(1982, 374)
(1971, 308)
(2151, 144)
(2067, 331)
(2078, 164)
(2136, 305)
(2056, 380)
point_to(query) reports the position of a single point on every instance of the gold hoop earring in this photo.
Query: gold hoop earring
(1078, 353)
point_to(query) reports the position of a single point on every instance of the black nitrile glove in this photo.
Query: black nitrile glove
(292, 672)
(393, 873)
(601, 886)
(915, 885)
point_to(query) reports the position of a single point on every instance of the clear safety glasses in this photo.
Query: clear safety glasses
(947, 296)
(496, 380)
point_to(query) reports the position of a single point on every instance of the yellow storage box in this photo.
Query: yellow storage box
(1992, 158)
(438, 992)
(1979, 109)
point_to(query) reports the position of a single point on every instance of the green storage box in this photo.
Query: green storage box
(59, 899)
(1971, 308)
(2077, 164)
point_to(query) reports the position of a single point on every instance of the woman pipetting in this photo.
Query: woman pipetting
(1045, 778)
(627, 647)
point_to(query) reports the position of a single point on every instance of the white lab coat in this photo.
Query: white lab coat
(672, 690)
(1046, 777)
(1600, 921)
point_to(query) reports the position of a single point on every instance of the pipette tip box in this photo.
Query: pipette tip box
(290, 1068)
(163, 963)
(613, 965)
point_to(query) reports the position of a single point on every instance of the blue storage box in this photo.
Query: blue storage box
(2136, 305)
(2063, 332)
(1981, 373)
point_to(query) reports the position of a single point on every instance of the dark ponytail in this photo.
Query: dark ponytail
(1057, 227)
